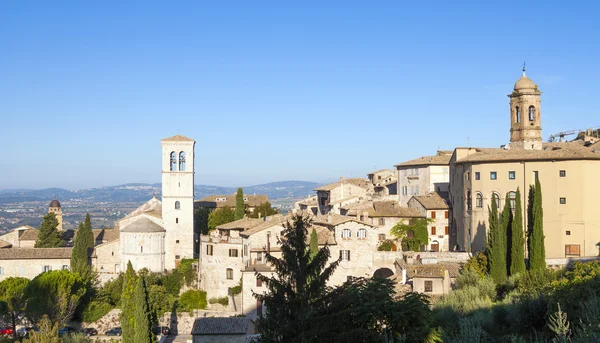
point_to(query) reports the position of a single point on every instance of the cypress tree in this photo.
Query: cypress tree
(314, 243)
(143, 329)
(240, 208)
(506, 231)
(128, 305)
(497, 251)
(83, 241)
(537, 251)
(48, 236)
(517, 246)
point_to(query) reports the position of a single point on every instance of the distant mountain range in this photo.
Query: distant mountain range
(138, 192)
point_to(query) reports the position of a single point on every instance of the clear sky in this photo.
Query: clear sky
(274, 90)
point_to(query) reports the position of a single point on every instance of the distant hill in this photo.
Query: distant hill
(139, 192)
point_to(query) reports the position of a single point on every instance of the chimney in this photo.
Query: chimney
(341, 179)
(269, 242)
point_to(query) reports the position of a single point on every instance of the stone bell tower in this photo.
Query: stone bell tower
(55, 208)
(525, 115)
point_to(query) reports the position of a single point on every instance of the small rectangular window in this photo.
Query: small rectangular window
(568, 233)
(65, 267)
(433, 230)
(1, 270)
(176, 220)
(511, 175)
(229, 274)
(493, 176)
(562, 173)
(46, 268)
(258, 282)
(177, 241)
(563, 201)
(446, 231)
(177, 257)
(209, 250)
(432, 214)
(417, 190)
(382, 236)
(245, 249)
(381, 221)
(345, 255)
(428, 286)
(477, 176)
(572, 250)
(142, 248)
(446, 214)
(233, 253)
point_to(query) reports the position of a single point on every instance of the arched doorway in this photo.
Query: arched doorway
(383, 273)
(435, 246)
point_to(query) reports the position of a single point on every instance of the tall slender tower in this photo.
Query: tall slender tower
(178, 198)
(57, 210)
(525, 115)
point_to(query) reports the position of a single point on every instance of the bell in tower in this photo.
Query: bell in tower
(525, 115)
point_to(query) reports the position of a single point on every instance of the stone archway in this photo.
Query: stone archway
(383, 273)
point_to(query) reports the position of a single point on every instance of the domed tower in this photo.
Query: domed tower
(57, 210)
(525, 115)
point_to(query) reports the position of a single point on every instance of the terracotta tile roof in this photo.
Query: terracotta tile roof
(324, 236)
(381, 171)
(432, 201)
(332, 220)
(142, 224)
(105, 235)
(4, 244)
(177, 138)
(438, 160)
(37, 253)
(29, 235)
(310, 202)
(388, 208)
(211, 200)
(575, 150)
(359, 182)
(220, 326)
(270, 222)
(240, 224)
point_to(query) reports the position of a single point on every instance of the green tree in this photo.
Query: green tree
(159, 302)
(496, 245)
(240, 207)
(192, 300)
(48, 236)
(296, 288)
(142, 323)
(314, 243)
(517, 247)
(201, 220)
(479, 263)
(128, 305)
(537, 251)
(506, 222)
(263, 210)
(84, 240)
(412, 235)
(56, 294)
(12, 293)
(48, 332)
(220, 216)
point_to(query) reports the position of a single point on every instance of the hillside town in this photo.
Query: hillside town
(370, 225)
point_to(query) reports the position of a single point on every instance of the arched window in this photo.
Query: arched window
(346, 234)
(362, 234)
(512, 197)
(497, 198)
(229, 273)
(173, 161)
(177, 205)
(518, 112)
(479, 200)
(531, 113)
(182, 161)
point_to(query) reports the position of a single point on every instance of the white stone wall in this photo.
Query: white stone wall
(109, 258)
(213, 268)
(144, 250)
(441, 222)
(439, 179)
(30, 268)
(426, 178)
(440, 285)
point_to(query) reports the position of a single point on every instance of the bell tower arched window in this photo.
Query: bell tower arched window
(531, 113)
(518, 114)
(173, 162)
(182, 161)
(177, 205)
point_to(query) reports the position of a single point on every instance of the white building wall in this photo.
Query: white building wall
(144, 250)
(439, 179)
(30, 268)
(109, 258)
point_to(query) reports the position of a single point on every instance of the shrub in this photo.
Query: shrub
(478, 263)
(236, 289)
(76, 338)
(188, 271)
(192, 300)
(387, 245)
(95, 310)
(223, 301)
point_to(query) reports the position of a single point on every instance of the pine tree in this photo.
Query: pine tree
(537, 251)
(296, 289)
(497, 250)
(517, 246)
(506, 231)
(48, 236)
(128, 305)
(143, 328)
(83, 241)
(314, 243)
(240, 208)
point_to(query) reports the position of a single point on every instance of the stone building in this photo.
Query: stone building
(30, 262)
(308, 205)
(436, 208)
(568, 173)
(251, 201)
(220, 330)
(423, 175)
(385, 184)
(55, 208)
(347, 191)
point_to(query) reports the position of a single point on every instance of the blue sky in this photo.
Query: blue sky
(274, 90)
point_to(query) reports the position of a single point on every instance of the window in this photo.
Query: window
(209, 250)
(182, 161)
(433, 230)
(258, 282)
(417, 190)
(346, 234)
(233, 253)
(176, 220)
(362, 218)
(259, 308)
(1, 270)
(382, 236)
(362, 233)
(572, 250)
(496, 197)
(177, 205)
(113, 253)
(428, 286)
(65, 267)
(432, 214)
(46, 268)
(345, 255)
(511, 175)
(229, 274)
(531, 113)
(446, 214)
(468, 176)
(381, 221)
(469, 200)
(568, 233)
(477, 175)
(177, 242)
(518, 114)
(493, 176)
(446, 231)
(562, 173)
(259, 256)
(512, 197)
(173, 164)
(479, 200)
(563, 201)
(177, 257)
(142, 248)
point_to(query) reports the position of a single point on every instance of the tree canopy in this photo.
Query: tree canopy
(12, 293)
(48, 235)
(84, 240)
(220, 216)
(537, 250)
(263, 210)
(128, 305)
(517, 246)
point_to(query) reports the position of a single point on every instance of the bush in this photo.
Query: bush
(95, 310)
(387, 245)
(187, 269)
(223, 301)
(192, 300)
(236, 289)
(478, 263)
(76, 338)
